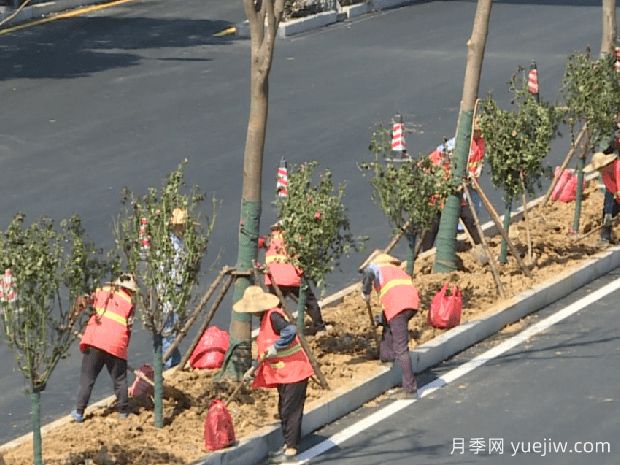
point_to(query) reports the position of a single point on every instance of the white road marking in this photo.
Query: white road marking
(456, 373)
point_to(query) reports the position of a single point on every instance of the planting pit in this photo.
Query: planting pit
(345, 354)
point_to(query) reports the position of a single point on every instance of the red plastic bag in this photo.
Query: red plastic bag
(140, 387)
(219, 430)
(446, 309)
(566, 188)
(210, 350)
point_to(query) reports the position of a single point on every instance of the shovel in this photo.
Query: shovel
(373, 325)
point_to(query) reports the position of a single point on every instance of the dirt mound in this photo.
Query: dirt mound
(345, 354)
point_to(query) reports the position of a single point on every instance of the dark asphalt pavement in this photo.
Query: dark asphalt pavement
(119, 97)
(559, 388)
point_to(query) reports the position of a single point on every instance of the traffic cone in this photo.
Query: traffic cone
(282, 179)
(8, 287)
(617, 62)
(532, 81)
(399, 145)
(145, 240)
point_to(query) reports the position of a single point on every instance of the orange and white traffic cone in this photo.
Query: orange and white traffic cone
(532, 81)
(399, 144)
(145, 240)
(282, 179)
(617, 62)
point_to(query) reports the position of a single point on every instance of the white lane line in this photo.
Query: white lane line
(456, 373)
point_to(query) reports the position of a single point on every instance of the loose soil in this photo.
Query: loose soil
(345, 354)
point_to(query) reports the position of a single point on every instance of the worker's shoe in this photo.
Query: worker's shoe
(603, 243)
(123, 415)
(287, 456)
(77, 417)
(401, 394)
(273, 453)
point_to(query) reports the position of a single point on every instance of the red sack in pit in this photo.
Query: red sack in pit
(446, 309)
(219, 430)
(210, 350)
(566, 188)
(140, 387)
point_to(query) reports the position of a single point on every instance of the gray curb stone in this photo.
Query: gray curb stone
(253, 449)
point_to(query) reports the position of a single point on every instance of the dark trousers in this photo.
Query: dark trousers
(611, 209)
(312, 304)
(291, 399)
(428, 241)
(93, 361)
(395, 347)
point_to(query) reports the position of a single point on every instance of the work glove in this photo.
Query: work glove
(248, 375)
(270, 352)
(366, 297)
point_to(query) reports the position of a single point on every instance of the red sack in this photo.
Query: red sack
(219, 430)
(210, 350)
(140, 387)
(566, 188)
(446, 309)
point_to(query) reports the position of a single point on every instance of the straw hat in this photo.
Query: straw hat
(255, 300)
(277, 225)
(477, 124)
(179, 217)
(385, 259)
(599, 160)
(126, 281)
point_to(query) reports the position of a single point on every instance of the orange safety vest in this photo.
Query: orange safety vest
(290, 366)
(396, 291)
(108, 328)
(277, 260)
(476, 156)
(611, 179)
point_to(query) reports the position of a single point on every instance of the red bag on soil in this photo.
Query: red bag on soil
(140, 387)
(219, 430)
(566, 188)
(210, 350)
(446, 309)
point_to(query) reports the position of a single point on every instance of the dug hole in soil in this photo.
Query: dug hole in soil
(345, 354)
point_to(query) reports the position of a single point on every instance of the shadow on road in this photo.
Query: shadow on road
(83, 46)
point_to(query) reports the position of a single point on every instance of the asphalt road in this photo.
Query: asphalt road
(558, 389)
(118, 98)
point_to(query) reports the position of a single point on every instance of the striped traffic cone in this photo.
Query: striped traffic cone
(8, 286)
(145, 240)
(282, 179)
(532, 81)
(399, 145)
(617, 62)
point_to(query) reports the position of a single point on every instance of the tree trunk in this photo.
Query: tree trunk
(503, 256)
(264, 18)
(445, 257)
(608, 39)
(158, 371)
(581, 161)
(37, 443)
(301, 305)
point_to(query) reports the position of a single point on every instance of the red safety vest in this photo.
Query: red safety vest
(476, 156)
(611, 179)
(290, 366)
(396, 291)
(108, 328)
(277, 260)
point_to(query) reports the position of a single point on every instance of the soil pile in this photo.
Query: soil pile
(345, 354)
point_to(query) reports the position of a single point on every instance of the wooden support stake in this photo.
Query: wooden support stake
(498, 225)
(485, 245)
(302, 339)
(208, 319)
(564, 164)
(388, 248)
(197, 310)
(578, 239)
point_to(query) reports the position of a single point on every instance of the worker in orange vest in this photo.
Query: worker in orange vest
(400, 301)
(287, 276)
(283, 364)
(105, 342)
(608, 166)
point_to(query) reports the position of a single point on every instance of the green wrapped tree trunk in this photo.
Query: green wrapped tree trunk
(37, 442)
(411, 240)
(158, 369)
(580, 165)
(503, 256)
(445, 256)
(301, 304)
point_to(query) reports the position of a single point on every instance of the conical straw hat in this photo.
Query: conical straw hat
(255, 300)
(599, 160)
(385, 259)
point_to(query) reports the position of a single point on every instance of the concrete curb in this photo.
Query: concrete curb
(253, 449)
(358, 9)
